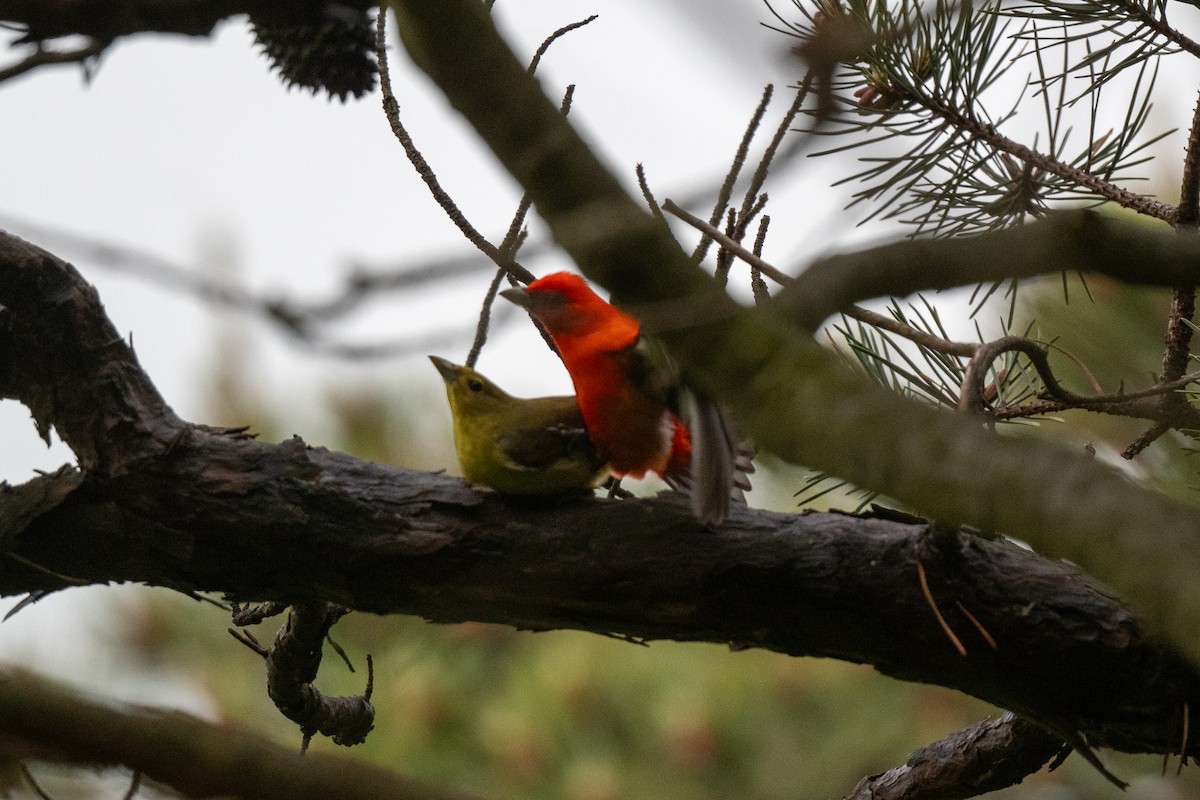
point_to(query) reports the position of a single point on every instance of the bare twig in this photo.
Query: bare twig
(541, 51)
(759, 178)
(302, 321)
(485, 315)
(250, 640)
(1148, 438)
(757, 284)
(33, 784)
(739, 159)
(724, 257)
(41, 57)
(391, 108)
(503, 256)
(915, 335)
(972, 394)
(987, 756)
(710, 230)
(135, 783)
(644, 185)
(515, 236)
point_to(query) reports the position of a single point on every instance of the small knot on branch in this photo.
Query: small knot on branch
(292, 664)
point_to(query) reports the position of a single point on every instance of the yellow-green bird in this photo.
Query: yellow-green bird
(518, 445)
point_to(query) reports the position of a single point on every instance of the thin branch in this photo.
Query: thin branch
(711, 231)
(985, 757)
(552, 38)
(757, 284)
(515, 236)
(739, 159)
(753, 202)
(302, 321)
(1151, 435)
(917, 336)
(391, 108)
(1101, 187)
(481, 328)
(1159, 25)
(914, 335)
(1178, 338)
(101, 20)
(972, 393)
(759, 178)
(42, 56)
(647, 194)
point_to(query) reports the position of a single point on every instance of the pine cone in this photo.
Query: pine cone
(334, 51)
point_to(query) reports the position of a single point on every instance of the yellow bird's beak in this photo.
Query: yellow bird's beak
(448, 369)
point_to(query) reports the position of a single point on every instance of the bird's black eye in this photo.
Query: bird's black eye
(474, 385)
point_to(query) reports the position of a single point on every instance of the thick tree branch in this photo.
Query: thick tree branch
(46, 721)
(199, 509)
(62, 358)
(42, 56)
(286, 522)
(789, 394)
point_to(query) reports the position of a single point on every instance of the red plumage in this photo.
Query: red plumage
(625, 405)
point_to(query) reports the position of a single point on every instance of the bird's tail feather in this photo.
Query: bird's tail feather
(721, 461)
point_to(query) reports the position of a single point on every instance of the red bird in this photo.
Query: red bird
(627, 399)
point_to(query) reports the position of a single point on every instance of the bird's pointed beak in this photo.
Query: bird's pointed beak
(518, 296)
(447, 368)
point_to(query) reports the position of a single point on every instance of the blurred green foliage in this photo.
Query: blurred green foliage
(1109, 336)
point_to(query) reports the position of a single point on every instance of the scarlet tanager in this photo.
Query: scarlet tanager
(518, 445)
(629, 401)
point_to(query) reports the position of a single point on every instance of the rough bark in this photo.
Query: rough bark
(197, 509)
(990, 755)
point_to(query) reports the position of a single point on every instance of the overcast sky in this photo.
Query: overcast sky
(191, 152)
